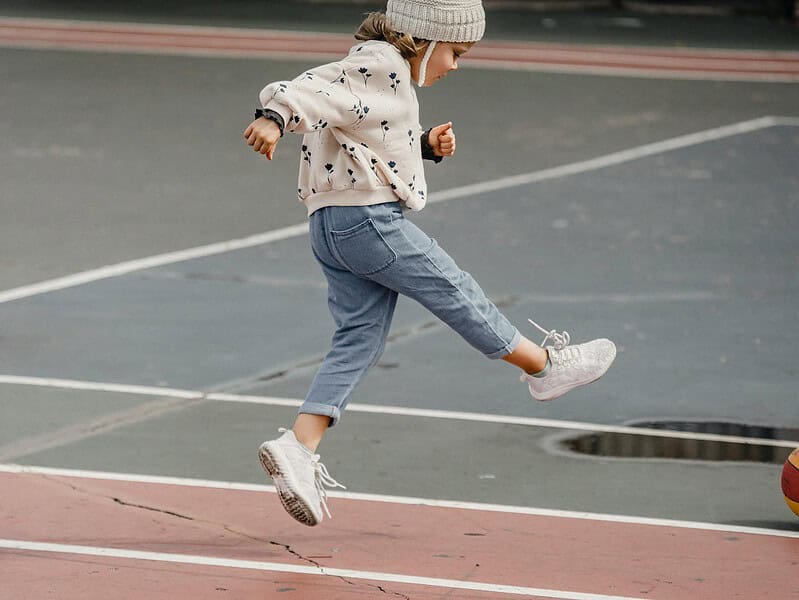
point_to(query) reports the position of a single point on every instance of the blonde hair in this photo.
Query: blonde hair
(375, 27)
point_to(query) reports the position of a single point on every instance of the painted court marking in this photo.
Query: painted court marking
(649, 62)
(387, 410)
(562, 60)
(406, 500)
(600, 162)
(188, 559)
(438, 545)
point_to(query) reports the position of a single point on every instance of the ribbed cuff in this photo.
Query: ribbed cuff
(427, 149)
(508, 348)
(325, 410)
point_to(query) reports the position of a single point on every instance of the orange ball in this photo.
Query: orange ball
(790, 481)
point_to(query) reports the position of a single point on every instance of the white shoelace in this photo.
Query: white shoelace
(322, 478)
(561, 340)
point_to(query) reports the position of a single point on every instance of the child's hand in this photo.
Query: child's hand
(442, 140)
(263, 135)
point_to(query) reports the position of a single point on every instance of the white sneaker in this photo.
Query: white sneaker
(571, 366)
(298, 476)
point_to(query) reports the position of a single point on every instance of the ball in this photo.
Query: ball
(790, 481)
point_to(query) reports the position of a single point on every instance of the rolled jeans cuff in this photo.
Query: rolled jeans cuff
(326, 410)
(508, 348)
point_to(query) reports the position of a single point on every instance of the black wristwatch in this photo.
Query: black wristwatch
(272, 116)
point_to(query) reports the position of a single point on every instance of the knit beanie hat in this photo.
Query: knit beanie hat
(438, 20)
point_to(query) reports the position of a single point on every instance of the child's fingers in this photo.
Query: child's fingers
(248, 132)
(440, 129)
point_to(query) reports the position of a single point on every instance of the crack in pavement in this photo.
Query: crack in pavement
(227, 528)
(166, 512)
(385, 591)
(321, 567)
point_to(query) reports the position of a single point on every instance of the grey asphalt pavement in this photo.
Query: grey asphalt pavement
(688, 259)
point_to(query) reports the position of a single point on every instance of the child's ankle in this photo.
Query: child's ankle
(543, 372)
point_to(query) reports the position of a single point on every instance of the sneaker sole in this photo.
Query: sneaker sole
(558, 392)
(273, 464)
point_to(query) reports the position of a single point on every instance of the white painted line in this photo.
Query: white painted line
(643, 297)
(262, 33)
(165, 28)
(699, 63)
(151, 262)
(393, 410)
(600, 162)
(135, 47)
(163, 51)
(642, 73)
(192, 559)
(406, 500)
(609, 160)
(94, 386)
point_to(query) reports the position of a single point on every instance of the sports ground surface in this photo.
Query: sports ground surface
(161, 314)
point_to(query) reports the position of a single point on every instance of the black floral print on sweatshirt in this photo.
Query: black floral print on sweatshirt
(394, 82)
(365, 74)
(360, 111)
(359, 84)
(350, 150)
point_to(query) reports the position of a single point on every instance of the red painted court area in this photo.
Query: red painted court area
(752, 65)
(77, 537)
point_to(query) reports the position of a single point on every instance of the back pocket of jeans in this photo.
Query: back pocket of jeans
(363, 249)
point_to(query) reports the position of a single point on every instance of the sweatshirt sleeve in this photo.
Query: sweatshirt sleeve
(319, 98)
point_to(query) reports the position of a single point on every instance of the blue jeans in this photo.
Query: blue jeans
(370, 255)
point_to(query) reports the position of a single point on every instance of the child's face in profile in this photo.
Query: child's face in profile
(443, 60)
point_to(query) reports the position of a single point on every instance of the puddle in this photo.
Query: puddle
(625, 445)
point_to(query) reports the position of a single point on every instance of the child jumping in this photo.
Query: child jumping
(360, 171)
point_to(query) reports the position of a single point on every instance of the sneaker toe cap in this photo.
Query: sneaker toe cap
(604, 350)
